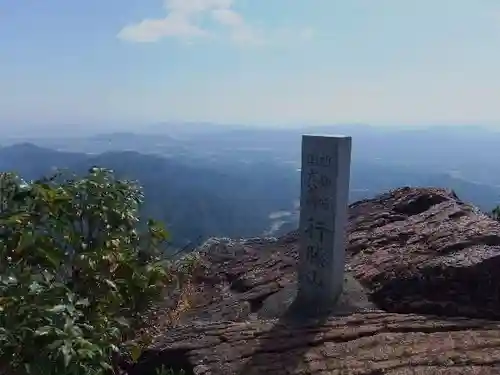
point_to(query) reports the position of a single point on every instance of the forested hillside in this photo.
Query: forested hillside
(195, 202)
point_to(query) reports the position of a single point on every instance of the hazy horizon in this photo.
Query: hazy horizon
(249, 62)
(30, 131)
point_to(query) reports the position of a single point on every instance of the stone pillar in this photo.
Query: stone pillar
(324, 199)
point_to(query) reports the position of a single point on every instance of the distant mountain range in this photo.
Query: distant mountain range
(194, 201)
(243, 183)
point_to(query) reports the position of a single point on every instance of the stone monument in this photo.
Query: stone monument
(324, 199)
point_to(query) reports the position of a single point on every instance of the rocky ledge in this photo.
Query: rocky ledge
(422, 293)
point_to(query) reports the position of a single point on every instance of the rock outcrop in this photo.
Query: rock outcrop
(422, 296)
(425, 251)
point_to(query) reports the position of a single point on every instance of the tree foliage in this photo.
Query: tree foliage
(495, 213)
(76, 272)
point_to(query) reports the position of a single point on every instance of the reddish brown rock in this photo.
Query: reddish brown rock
(425, 251)
(362, 344)
(416, 251)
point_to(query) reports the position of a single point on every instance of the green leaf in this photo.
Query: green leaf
(51, 255)
(43, 331)
(135, 352)
(85, 353)
(82, 302)
(111, 284)
(122, 322)
(57, 309)
(55, 344)
(105, 366)
(66, 352)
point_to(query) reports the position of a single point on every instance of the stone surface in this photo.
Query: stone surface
(413, 251)
(368, 344)
(424, 251)
(325, 176)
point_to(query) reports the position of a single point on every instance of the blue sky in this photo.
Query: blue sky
(250, 61)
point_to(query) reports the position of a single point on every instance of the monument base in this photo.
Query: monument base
(286, 303)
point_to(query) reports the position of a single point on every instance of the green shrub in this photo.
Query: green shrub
(76, 272)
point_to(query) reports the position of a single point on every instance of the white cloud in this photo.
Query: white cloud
(183, 21)
(239, 31)
(152, 30)
(196, 6)
(228, 17)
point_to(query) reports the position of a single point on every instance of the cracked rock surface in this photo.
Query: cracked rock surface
(368, 343)
(425, 251)
(421, 296)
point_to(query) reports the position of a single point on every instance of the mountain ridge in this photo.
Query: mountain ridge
(200, 197)
(195, 201)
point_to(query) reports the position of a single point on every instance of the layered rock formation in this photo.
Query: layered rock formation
(422, 297)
